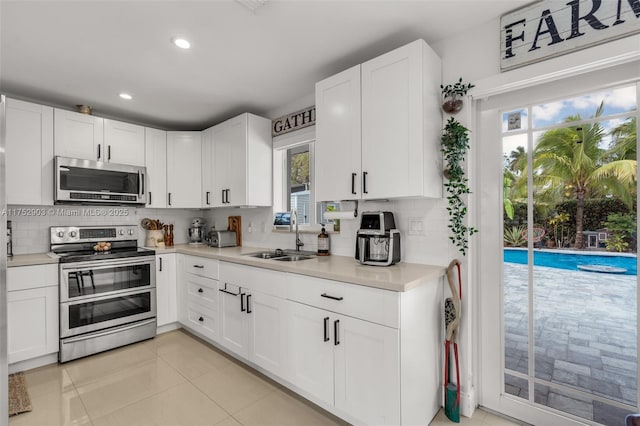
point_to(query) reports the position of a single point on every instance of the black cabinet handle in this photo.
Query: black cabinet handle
(328, 296)
(228, 292)
(364, 183)
(99, 153)
(149, 197)
(248, 304)
(223, 196)
(207, 197)
(353, 183)
(326, 329)
(108, 152)
(242, 308)
(336, 337)
(169, 198)
(199, 266)
(200, 290)
(160, 264)
(201, 319)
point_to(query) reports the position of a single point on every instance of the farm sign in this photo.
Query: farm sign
(555, 27)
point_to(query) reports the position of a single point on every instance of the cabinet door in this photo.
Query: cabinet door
(155, 146)
(259, 164)
(32, 323)
(367, 371)
(208, 167)
(124, 142)
(166, 295)
(230, 141)
(267, 331)
(392, 123)
(311, 350)
(234, 324)
(184, 177)
(78, 135)
(338, 137)
(29, 148)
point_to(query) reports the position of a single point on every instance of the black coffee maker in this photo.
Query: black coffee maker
(377, 240)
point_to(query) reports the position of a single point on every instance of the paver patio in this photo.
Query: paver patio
(585, 338)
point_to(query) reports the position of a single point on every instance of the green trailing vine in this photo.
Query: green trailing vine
(455, 143)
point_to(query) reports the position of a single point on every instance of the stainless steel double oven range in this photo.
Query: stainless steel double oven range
(107, 298)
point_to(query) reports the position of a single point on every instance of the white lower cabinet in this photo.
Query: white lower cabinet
(32, 312)
(346, 362)
(198, 296)
(252, 323)
(166, 289)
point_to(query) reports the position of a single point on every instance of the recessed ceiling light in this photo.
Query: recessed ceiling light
(181, 43)
(126, 96)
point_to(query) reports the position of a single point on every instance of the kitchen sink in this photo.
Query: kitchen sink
(282, 255)
(292, 258)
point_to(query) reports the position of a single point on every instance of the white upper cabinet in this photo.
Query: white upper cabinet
(155, 146)
(78, 135)
(243, 162)
(29, 153)
(401, 124)
(94, 138)
(208, 167)
(400, 121)
(184, 176)
(338, 140)
(124, 143)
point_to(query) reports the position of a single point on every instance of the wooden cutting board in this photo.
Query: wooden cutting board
(235, 224)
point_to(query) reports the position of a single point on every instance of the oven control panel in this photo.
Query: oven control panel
(82, 234)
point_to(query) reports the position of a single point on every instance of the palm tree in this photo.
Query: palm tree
(570, 163)
(624, 140)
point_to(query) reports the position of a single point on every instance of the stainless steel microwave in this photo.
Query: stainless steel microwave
(95, 182)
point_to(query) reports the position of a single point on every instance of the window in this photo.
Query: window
(293, 177)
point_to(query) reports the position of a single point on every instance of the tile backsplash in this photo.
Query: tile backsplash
(31, 223)
(430, 246)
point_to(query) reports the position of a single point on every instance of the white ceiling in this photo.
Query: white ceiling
(86, 52)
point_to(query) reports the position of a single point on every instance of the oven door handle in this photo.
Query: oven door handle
(107, 263)
(107, 332)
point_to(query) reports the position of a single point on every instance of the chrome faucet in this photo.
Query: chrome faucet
(294, 218)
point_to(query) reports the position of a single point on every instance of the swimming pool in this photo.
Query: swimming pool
(571, 260)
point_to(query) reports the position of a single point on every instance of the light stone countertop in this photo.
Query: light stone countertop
(399, 277)
(31, 259)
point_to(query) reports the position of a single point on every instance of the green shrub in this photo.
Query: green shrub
(513, 236)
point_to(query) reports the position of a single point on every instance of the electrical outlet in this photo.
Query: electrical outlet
(416, 226)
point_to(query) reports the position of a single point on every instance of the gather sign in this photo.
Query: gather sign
(552, 28)
(294, 121)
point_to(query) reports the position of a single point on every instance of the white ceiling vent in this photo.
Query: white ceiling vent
(252, 5)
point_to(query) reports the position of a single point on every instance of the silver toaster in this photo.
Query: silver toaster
(222, 239)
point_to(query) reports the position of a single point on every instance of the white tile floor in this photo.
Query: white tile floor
(174, 380)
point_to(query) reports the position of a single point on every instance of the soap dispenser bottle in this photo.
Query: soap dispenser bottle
(323, 242)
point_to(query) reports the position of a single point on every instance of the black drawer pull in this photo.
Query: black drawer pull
(228, 292)
(200, 290)
(336, 337)
(353, 183)
(364, 182)
(248, 305)
(328, 296)
(326, 329)
(199, 266)
(201, 319)
(242, 308)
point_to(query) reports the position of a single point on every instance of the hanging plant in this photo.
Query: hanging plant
(451, 92)
(455, 143)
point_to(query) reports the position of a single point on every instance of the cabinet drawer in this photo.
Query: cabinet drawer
(201, 266)
(36, 276)
(202, 290)
(202, 320)
(367, 303)
(263, 280)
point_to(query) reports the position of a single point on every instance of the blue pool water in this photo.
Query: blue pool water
(571, 261)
